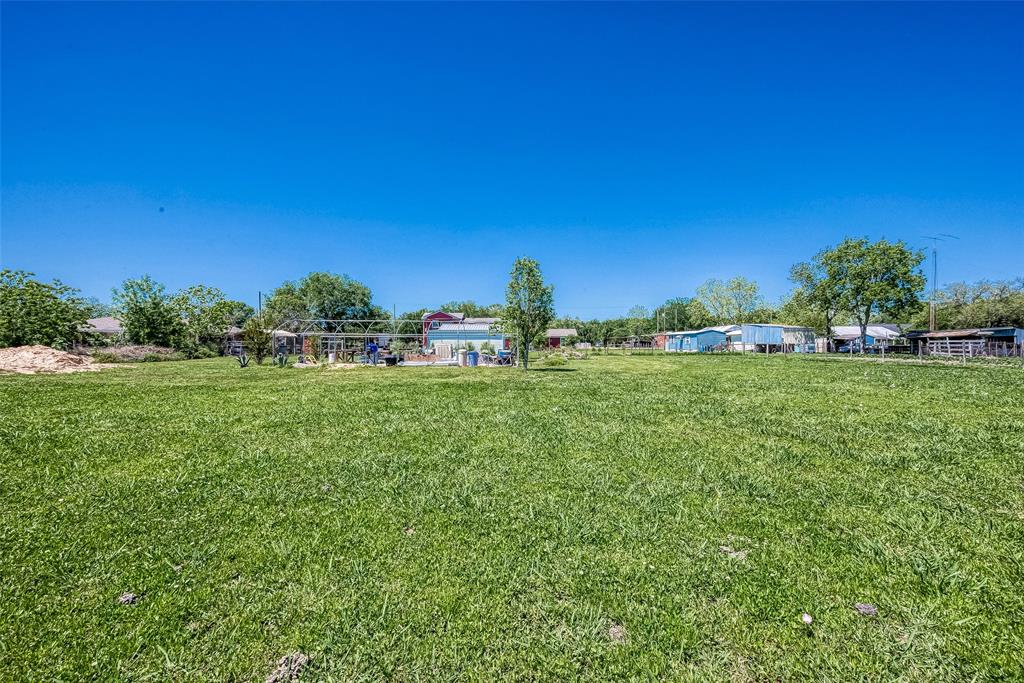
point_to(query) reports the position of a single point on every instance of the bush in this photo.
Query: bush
(34, 312)
(256, 339)
(554, 360)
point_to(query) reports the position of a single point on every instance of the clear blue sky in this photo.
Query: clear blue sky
(635, 150)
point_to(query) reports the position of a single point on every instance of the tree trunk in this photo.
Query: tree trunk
(828, 334)
(526, 356)
(863, 332)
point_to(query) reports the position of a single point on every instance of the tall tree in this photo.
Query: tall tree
(201, 309)
(35, 312)
(682, 313)
(820, 289)
(730, 302)
(529, 305)
(324, 297)
(147, 313)
(878, 279)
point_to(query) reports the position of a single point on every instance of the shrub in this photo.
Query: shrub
(147, 313)
(34, 312)
(256, 339)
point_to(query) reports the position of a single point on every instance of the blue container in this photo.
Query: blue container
(473, 358)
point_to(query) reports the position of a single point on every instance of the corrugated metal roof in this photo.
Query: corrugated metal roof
(876, 331)
(462, 327)
(562, 332)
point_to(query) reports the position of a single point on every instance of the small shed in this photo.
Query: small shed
(697, 341)
(557, 336)
(770, 338)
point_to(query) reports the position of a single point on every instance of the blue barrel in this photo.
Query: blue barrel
(473, 358)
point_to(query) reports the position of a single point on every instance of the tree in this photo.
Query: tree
(35, 312)
(640, 320)
(147, 313)
(529, 305)
(201, 308)
(471, 309)
(256, 338)
(96, 308)
(879, 279)
(735, 301)
(681, 313)
(324, 297)
(234, 313)
(982, 304)
(821, 288)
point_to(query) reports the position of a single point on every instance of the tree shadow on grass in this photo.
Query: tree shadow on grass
(552, 370)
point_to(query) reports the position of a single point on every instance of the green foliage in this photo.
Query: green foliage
(204, 312)
(472, 309)
(554, 360)
(529, 305)
(95, 308)
(322, 296)
(682, 313)
(35, 312)
(733, 302)
(147, 313)
(256, 338)
(880, 279)
(487, 347)
(982, 304)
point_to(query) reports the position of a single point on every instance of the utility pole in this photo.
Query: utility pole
(941, 237)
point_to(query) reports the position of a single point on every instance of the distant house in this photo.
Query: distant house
(716, 338)
(456, 331)
(105, 326)
(770, 338)
(558, 335)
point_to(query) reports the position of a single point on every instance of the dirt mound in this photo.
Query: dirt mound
(28, 360)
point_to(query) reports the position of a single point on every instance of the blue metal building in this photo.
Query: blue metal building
(460, 335)
(706, 339)
(768, 337)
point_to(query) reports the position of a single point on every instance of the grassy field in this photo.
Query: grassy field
(622, 518)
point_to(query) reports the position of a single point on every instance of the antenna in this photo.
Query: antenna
(941, 237)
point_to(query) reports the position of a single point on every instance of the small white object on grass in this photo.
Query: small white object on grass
(807, 619)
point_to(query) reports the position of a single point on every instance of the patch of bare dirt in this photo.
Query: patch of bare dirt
(617, 634)
(734, 554)
(128, 599)
(288, 668)
(28, 360)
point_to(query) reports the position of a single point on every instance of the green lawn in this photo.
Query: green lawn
(481, 524)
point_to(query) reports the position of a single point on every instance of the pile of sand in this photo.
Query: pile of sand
(28, 360)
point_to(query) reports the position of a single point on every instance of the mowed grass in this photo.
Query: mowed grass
(490, 524)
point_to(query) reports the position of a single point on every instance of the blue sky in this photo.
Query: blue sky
(635, 150)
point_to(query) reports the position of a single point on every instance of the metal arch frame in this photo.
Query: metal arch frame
(363, 329)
